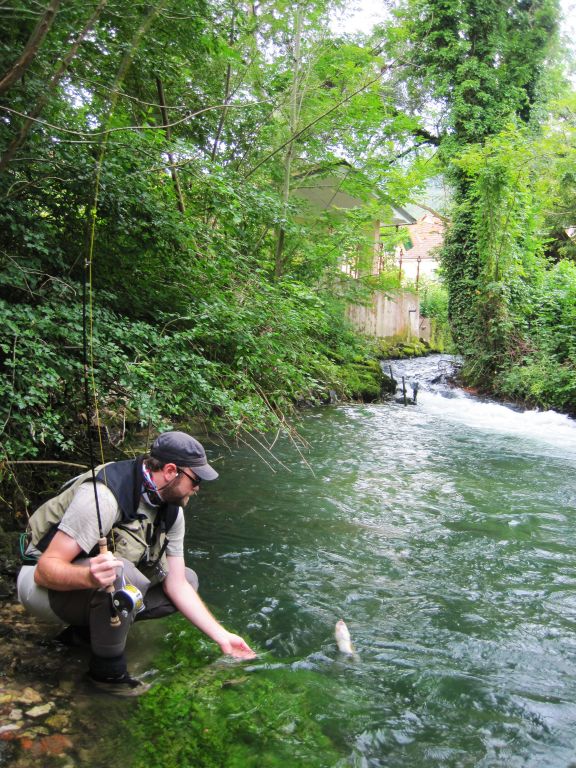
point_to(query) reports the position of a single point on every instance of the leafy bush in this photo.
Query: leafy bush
(241, 360)
(546, 374)
(434, 301)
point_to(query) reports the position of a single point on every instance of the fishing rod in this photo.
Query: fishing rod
(102, 543)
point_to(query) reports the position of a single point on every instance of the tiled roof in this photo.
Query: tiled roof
(426, 236)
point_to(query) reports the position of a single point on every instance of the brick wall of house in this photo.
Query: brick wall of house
(427, 236)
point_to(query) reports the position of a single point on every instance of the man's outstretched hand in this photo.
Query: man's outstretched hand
(235, 646)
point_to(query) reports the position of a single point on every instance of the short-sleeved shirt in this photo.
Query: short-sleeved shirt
(80, 521)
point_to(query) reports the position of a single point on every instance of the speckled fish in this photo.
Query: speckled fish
(343, 640)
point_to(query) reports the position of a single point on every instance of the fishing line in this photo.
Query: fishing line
(87, 344)
(88, 302)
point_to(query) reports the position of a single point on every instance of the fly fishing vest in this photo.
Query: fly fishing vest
(134, 537)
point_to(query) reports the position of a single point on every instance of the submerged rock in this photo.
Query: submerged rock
(40, 711)
(31, 722)
(29, 696)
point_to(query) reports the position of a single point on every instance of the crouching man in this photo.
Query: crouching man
(138, 506)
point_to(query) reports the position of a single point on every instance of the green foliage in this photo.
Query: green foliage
(546, 374)
(240, 360)
(38, 382)
(500, 223)
(517, 328)
(215, 714)
(434, 301)
(180, 211)
(482, 60)
(486, 66)
(187, 320)
(555, 176)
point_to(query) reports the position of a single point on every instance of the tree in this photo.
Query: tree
(146, 141)
(482, 64)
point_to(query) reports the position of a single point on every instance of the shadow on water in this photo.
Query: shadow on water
(443, 534)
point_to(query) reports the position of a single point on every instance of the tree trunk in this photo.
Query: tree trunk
(295, 106)
(226, 94)
(165, 123)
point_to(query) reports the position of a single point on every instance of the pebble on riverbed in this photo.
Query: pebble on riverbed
(35, 705)
(36, 732)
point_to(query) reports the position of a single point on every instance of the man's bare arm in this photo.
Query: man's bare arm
(188, 602)
(56, 569)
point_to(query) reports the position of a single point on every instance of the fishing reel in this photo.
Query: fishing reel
(124, 601)
(128, 599)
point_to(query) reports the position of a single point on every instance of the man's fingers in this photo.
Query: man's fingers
(104, 568)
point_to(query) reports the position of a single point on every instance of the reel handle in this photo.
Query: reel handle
(114, 618)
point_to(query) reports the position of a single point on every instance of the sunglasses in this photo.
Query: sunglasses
(194, 480)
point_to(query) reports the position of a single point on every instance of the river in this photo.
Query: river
(444, 534)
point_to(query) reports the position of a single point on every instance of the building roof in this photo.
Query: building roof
(341, 186)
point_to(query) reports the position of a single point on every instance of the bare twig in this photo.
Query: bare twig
(47, 277)
(265, 448)
(46, 461)
(106, 132)
(256, 452)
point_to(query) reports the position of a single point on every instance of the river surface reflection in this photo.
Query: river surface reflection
(445, 535)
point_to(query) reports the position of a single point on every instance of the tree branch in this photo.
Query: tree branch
(433, 211)
(32, 46)
(173, 171)
(312, 123)
(54, 80)
(45, 461)
(107, 131)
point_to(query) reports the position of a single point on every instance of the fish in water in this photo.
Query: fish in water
(343, 640)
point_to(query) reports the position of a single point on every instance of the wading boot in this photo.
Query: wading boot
(119, 686)
(74, 636)
(110, 675)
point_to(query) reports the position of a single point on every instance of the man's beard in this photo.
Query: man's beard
(173, 496)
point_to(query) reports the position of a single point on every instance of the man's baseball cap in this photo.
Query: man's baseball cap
(184, 451)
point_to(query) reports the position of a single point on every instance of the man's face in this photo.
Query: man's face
(179, 491)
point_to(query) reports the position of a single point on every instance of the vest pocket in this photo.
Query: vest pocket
(129, 541)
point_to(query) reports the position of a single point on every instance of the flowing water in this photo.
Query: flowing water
(444, 533)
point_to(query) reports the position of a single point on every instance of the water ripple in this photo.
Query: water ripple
(445, 535)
